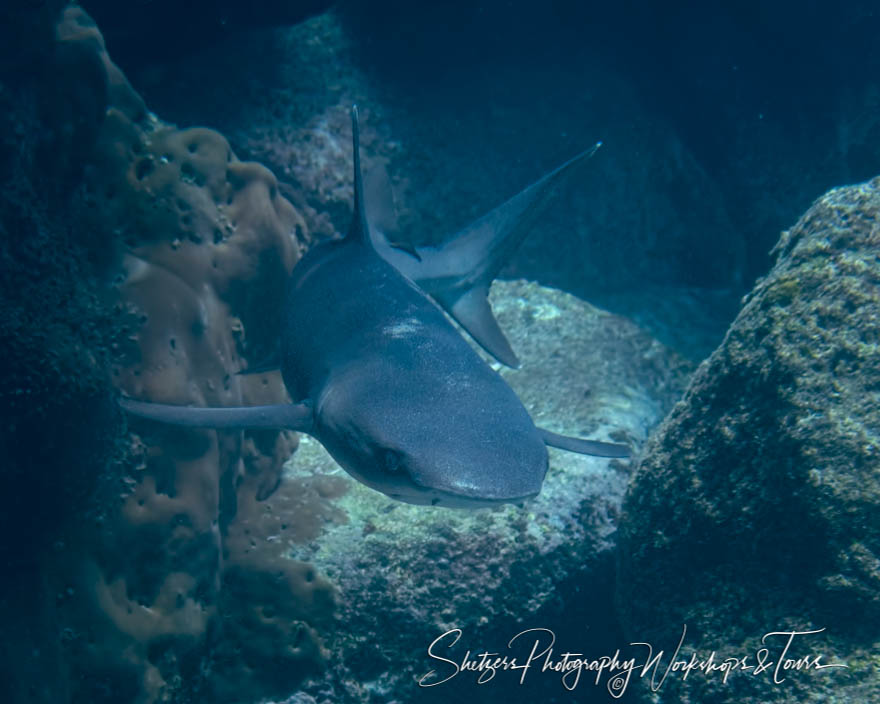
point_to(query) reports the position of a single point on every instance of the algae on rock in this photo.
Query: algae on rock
(756, 507)
(186, 244)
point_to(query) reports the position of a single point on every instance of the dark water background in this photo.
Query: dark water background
(756, 108)
(769, 105)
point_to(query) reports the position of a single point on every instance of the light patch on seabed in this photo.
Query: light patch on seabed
(544, 311)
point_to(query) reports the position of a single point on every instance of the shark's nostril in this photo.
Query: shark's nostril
(392, 461)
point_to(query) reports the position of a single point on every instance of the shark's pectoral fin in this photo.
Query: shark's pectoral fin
(474, 314)
(293, 416)
(585, 447)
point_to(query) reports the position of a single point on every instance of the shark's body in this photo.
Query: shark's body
(386, 383)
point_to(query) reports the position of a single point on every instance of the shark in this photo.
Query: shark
(382, 378)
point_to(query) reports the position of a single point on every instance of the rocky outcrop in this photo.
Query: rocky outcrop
(150, 255)
(757, 505)
(59, 458)
(197, 245)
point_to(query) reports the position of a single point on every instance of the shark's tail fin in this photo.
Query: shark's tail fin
(490, 242)
(458, 273)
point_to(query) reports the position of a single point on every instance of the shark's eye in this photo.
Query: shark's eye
(392, 461)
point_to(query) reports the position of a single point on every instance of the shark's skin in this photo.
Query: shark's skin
(386, 383)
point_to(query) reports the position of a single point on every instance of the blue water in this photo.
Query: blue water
(720, 123)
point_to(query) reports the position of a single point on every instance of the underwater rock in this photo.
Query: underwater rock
(756, 507)
(59, 458)
(158, 594)
(405, 574)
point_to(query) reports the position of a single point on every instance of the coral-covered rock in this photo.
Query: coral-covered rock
(757, 505)
(60, 435)
(163, 598)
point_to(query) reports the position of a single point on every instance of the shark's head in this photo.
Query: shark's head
(449, 445)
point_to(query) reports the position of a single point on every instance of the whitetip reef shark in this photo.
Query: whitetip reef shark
(385, 382)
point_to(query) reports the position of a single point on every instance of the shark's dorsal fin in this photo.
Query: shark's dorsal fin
(459, 272)
(359, 229)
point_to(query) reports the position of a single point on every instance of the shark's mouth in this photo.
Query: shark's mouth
(447, 499)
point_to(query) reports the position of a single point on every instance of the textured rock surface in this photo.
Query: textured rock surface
(60, 436)
(406, 574)
(757, 505)
(161, 254)
(205, 243)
